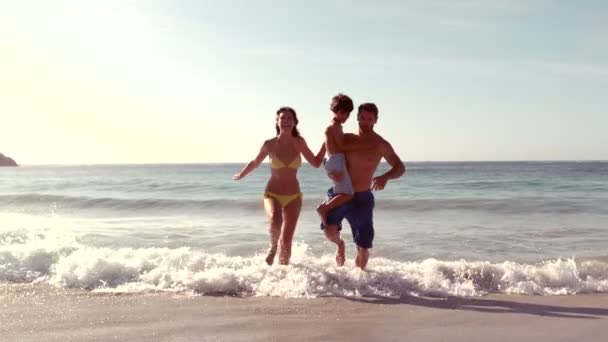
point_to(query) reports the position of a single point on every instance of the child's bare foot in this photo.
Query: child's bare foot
(270, 257)
(341, 253)
(322, 211)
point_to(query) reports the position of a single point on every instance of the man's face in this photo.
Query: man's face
(367, 120)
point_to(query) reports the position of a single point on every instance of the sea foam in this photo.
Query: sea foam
(56, 258)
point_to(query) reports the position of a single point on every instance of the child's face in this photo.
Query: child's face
(341, 116)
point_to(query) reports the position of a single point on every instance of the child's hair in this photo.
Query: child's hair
(342, 103)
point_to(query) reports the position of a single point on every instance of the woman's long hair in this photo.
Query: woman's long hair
(294, 131)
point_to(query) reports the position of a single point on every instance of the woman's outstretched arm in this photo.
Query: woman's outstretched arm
(252, 164)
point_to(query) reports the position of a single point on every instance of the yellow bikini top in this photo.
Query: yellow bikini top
(276, 163)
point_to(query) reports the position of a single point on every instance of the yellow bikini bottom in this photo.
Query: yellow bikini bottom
(284, 200)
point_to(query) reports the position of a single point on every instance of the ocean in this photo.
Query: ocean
(444, 228)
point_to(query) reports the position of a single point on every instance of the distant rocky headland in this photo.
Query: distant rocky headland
(6, 161)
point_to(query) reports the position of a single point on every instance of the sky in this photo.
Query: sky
(122, 81)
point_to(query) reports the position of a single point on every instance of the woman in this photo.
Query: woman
(282, 198)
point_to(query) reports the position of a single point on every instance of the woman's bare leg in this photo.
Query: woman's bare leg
(275, 217)
(291, 213)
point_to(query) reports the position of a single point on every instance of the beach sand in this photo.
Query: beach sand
(43, 313)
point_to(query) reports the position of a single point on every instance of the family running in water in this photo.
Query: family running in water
(351, 164)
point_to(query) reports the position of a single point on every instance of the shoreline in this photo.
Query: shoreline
(41, 312)
(498, 161)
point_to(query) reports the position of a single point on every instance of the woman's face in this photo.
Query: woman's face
(286, 121)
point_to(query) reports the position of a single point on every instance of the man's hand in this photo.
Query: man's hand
(336, 176)
(378, 183)
(237, 176)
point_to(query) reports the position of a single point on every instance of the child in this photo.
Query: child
(341, 106)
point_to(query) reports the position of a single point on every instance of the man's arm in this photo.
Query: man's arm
(347, 142)
(397, 167)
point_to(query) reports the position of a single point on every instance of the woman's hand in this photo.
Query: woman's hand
(237, 176)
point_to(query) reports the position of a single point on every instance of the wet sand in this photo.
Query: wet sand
(43, 313)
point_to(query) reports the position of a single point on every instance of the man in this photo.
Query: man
(361, 165)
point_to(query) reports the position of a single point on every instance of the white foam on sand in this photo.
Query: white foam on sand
(55, 257)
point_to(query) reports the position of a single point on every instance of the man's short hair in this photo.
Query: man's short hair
(342, 103)
(368, 107)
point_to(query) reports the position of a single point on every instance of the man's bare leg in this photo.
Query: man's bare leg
(333, 235)
(362, 257)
